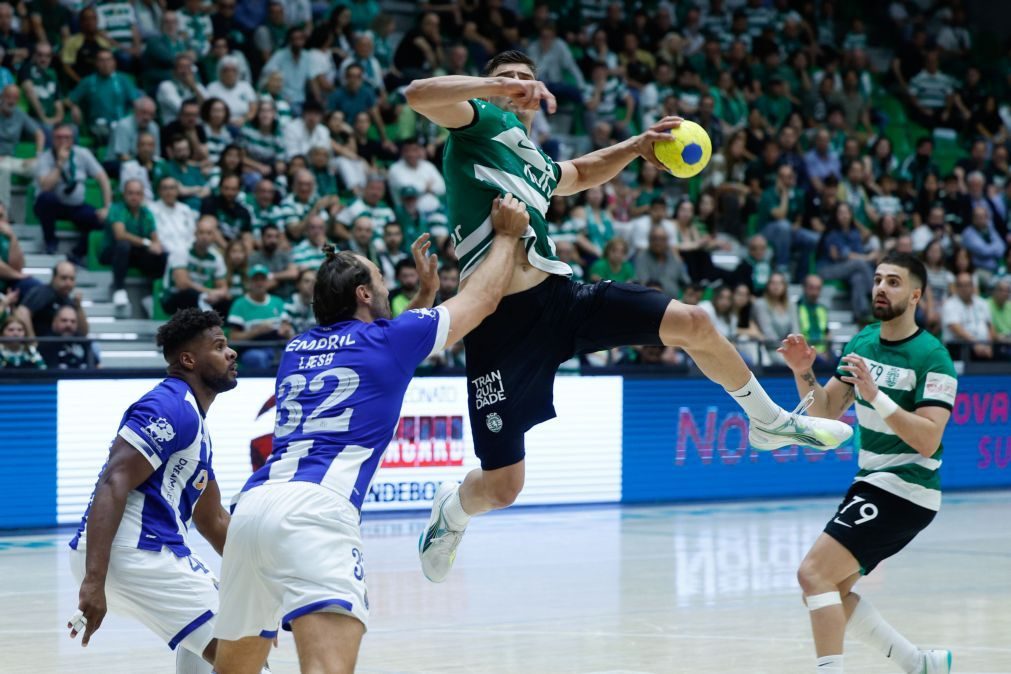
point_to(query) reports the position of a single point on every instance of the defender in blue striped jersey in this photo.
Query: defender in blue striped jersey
(294, 552)
(131, 553)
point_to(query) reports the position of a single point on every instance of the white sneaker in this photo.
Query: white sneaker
(794, 428)
(121, 301)
(437, 545)
(936, 662)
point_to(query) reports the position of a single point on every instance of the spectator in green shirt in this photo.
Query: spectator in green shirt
(102, 98)
(131, 241)
(614, 266)
(258, 316)
(407, 286)
(1000, 315)
(192, 182)
(775, 105)
(308, 253)
(42, 88)
(779, 215)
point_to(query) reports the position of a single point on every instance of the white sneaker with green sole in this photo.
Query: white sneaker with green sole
(438, 543)
(793, 428)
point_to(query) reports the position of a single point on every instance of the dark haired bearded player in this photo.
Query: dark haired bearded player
(545, 318)
(904, 383)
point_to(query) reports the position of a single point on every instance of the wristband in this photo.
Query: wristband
(147, 242)
(884, 405)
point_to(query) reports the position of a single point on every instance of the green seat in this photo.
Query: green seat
(158, 313)
(96, 241)
(25, 150)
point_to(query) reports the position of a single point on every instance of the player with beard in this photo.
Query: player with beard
(131, 553)
(904, 385)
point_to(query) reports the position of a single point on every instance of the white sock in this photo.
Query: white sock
(867, 625)
(756, 402)
(830, 664)
(456, 517)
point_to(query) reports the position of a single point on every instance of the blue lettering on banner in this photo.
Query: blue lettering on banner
(688, 441)
(401, 492)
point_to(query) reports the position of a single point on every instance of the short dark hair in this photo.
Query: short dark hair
(908, 262)
(341, 273)
(406, 263)
(183, 327)
(511, 56)
(271, 226)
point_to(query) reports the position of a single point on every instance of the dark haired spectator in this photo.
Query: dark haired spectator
(412, 169)
(80, 51)
(420, 51)
(309, 253)
(843, 257)
(984, 244)
(614, 265)
(72, 354)
(297, 69)
(933, 98)
(918, 165)
(12, 262)
(131, 241)
(556, 66)
(362, 240)
(393, 252)
(232, 215)
(279, 261)
(103, 97)
(299, 307)
(407, 286)
(40, 304)
(660, 263)
(259, 316)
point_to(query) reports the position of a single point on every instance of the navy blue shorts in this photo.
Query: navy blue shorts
(513, 355)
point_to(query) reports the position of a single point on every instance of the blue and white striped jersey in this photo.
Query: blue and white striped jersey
(339, 393)
(167, 426)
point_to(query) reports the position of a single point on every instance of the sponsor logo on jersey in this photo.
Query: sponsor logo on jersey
(201, 482)
(494, 422)
(940, 387)
(160, 430)
(488, 389)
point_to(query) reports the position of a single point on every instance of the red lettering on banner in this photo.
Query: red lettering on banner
(688, 430)
(426, 442)
(734, 422)
(981, 408)
(994, 452)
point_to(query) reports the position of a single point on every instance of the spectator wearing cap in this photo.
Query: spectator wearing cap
(299, 305)
(372, 203)
(413, 169)
(72, 353)
(103, 97)
(237, 93)
(297, 69)
(131, 241)
(197, 277)
(308, 253)
(14, 125)
(966, 318)
(300, 135)
(283, 270)
(60, 176)
(258, 316)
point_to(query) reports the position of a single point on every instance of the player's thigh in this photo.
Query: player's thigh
(244, 656)
(608, 315)
(327, 643)
(828, 561)
(175, 597)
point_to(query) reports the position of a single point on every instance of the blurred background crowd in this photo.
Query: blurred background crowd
(158, 154)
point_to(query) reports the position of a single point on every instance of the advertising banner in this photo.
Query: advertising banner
(575, 458)
(686, 440)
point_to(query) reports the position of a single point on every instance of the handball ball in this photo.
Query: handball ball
(687, 152)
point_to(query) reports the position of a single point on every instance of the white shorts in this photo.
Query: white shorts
(293, 548)
(175, 597)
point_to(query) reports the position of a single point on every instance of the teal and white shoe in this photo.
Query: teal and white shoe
(794, 428)
(936, 662)
(437, 545)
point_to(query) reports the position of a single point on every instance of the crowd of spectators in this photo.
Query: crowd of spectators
(219, 146)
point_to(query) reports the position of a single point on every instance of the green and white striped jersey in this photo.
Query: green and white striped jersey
(485, 159)
(915, 372)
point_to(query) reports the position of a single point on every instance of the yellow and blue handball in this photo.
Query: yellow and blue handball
(687, 152)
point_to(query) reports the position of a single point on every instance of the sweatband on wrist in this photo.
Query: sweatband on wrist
(884, 405)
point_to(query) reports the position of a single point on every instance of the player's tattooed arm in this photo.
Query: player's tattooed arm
(848, 397)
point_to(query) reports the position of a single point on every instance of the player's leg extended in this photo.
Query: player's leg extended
(866, 624)
(243, 656)
(689, 328)
(327, 643)
(827, 570)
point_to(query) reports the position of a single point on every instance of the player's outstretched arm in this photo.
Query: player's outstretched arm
(485, 287)
(601, 166)
(443, 99)
(210, 517)
(126, 470)
(831, 400)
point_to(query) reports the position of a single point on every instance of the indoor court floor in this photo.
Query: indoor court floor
(669, 589)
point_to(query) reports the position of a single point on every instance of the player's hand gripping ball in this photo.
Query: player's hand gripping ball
(687, 152)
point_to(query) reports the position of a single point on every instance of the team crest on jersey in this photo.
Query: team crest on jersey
(160, 430)
(494, 422)
(424, 313)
